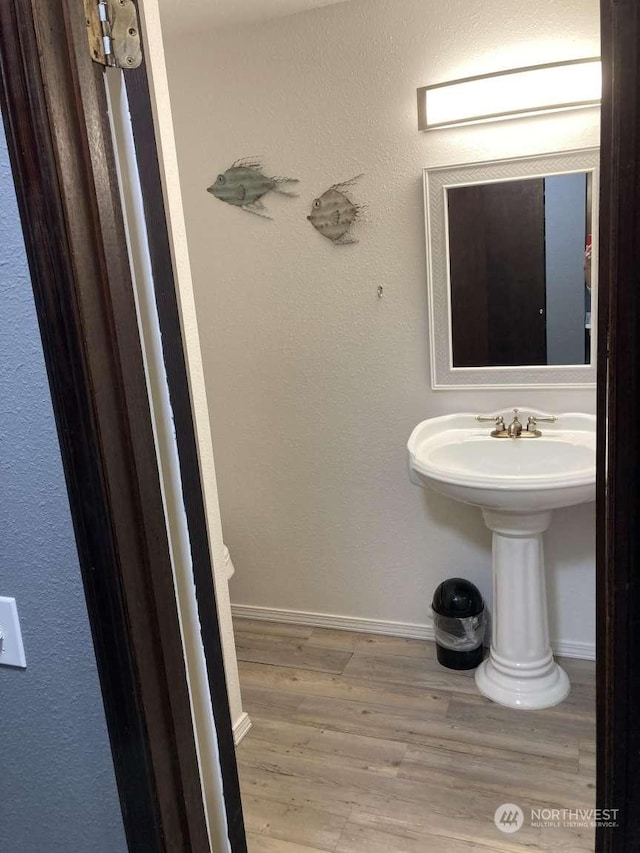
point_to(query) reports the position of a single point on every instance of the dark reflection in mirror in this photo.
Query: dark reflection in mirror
(520, 272)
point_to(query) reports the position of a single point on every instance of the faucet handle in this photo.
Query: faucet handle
(498, 420)
(549, 419)
(495, 418)
(532, 422)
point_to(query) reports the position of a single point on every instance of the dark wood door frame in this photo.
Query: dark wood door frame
(141, 111)
(618, 498)
(54, 108)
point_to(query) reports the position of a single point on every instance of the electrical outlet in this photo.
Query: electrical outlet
(11, 648)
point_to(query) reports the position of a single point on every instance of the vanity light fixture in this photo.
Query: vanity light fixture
(510, 94)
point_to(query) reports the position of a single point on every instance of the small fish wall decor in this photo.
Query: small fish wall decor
(244, 185)
(333, 213)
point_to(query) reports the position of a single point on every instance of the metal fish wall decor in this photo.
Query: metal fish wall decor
(244, 185)
(333, 213)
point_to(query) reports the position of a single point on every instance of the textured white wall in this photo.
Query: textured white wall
(184, 17)
(314, 382)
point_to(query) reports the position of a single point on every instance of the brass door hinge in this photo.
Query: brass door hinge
(113, 32)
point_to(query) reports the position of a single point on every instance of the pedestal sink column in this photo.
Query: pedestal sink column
(520, 671)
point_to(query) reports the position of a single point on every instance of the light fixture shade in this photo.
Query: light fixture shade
(508, 94)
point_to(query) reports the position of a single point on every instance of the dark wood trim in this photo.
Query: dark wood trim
(618, 486)
(178, 381)
(55, 118)
(54, 108)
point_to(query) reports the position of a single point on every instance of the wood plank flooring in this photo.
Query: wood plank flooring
(364, 744)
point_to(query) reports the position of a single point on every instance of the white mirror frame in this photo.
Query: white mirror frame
(436, 183)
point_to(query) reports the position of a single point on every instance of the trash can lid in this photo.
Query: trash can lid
(458, 598)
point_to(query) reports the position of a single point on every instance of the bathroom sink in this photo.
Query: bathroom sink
(517, 481)
(457, 456)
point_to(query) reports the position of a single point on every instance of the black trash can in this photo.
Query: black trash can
(459, 622)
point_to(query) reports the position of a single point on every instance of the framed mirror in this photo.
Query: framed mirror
(511, 267)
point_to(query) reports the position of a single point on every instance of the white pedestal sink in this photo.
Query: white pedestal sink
(517, 482)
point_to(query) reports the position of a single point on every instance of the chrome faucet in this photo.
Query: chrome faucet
(515, 428)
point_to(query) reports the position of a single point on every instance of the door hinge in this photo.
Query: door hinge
(113, 32)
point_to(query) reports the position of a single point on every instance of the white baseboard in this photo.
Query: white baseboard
(241, 727)
(584, 651)
(410, 630)
(329, 620)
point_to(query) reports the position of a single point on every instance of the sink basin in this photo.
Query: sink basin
(458, 457)
(517, 482)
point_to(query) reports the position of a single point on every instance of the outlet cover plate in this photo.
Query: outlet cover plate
(12, 653)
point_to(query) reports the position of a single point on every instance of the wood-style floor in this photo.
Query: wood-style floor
(363, 744)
